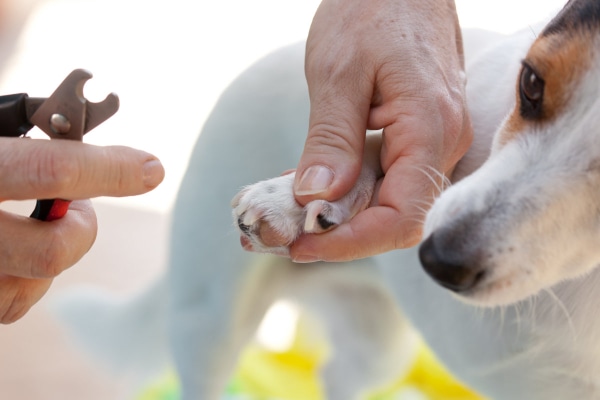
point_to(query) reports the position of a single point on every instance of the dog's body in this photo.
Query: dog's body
(544, 347)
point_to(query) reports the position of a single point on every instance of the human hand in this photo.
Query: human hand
(33, 252)
(392, 64)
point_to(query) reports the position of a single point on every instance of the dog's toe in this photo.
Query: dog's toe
(324, 223)
(271, 237)
(267, 215)
(246, 243)
(243, 227)
(321, 216)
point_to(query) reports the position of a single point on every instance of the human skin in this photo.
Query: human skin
(395, 65)
(32, 252)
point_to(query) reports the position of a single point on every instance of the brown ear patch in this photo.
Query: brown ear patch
(559, 60)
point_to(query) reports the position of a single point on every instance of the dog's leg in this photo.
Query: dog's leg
(205, 363)
(372, 344)
(256, 130)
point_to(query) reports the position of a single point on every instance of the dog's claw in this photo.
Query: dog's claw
(269, 216)
(319, 217)
(241, 208)
(251, 216)
(313, 210)
(235, 202)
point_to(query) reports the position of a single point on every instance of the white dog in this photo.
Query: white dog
(520, 232)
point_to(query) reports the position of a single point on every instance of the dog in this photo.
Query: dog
(503, 288)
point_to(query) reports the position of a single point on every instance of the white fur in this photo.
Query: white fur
(539, 195)
(272, 202)
(543, 347)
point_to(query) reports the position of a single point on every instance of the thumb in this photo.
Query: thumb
(332, 156)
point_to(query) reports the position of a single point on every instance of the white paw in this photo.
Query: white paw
(270, 220)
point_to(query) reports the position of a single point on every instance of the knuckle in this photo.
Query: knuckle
(64, 246)
(326, 136)
(48, 171)
(458, 133)
(15, 311)
(121, 179)
(16, 306)
(454, 111)
(340, 70)
(50, 262)
(327, 64)
(119, 174)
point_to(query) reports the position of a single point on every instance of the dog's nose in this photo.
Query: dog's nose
(447, 267)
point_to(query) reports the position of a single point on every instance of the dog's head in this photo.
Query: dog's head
(530, 216)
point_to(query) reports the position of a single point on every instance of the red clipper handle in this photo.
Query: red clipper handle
(49, 210)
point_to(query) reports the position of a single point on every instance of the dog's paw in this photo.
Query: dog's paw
(270, 219)
(267, 215)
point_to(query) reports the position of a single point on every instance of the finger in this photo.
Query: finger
(18, 295)
(394, 222)
(436, 121)
(73, 170)
(414, 166)
(35, 249)
(332, 155)
(373, 231)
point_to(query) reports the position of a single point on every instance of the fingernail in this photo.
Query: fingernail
(153, 173)
(305, 259)
(316, 179)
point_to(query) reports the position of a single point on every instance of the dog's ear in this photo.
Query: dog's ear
(576, 14)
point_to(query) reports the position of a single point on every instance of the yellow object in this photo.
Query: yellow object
(289, 375)
(429, 378)
(293, 375)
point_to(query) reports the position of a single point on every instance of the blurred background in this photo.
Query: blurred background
(168, 61)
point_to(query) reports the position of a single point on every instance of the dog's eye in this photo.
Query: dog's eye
(531, 92)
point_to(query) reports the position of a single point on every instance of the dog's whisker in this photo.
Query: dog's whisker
(421, 205)
(531, 301)
(518, 320)
(564, 310)
(502, 311)
(419, 219)
(445, 181)
(535, 35)
(423, 210)
(413, 219)
(437, 185)
(481, 311)
(427, 203)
